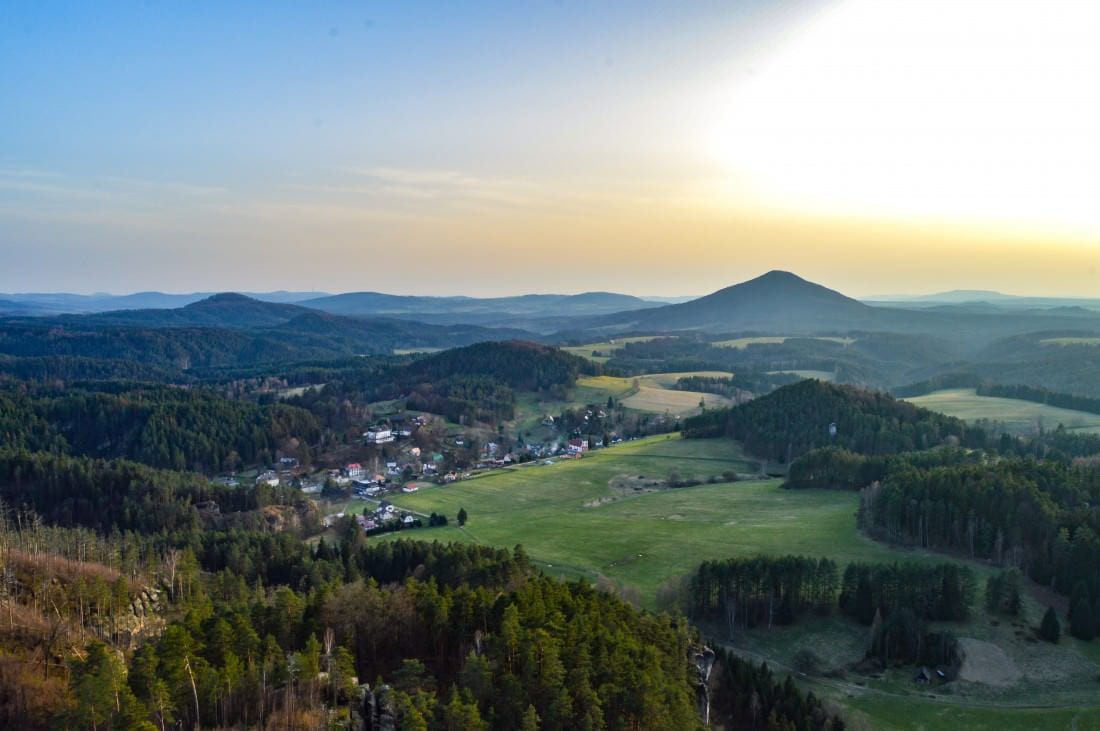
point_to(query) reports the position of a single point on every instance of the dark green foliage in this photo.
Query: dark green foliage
(836, 468)
(162, 426)
(1003, 593)
(114, 495)
(1082, 618)
(763, 590)
(1034, 514)
(749, 696)
(462, 517)
(499, 650)
(1051, 629)
(942, 593)
(901, 638)
(794, 419)
(736, 387)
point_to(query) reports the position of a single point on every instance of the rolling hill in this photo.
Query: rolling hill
(784, 303)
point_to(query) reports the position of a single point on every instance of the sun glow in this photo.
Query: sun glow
(980, 112)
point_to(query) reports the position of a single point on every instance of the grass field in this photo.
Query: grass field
(1018, 415)
(594, 517)
(607, 346)
(742, 343)
(577, 518)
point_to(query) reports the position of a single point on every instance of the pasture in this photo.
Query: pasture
(742, 343)
(1017, 415)
(592, 517)
(607, 515)
(604, 348)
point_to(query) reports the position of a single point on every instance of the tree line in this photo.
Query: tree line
(795, 419)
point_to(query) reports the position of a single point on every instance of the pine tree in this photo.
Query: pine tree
(1081, 624)
(1051, 629)
(462, 516)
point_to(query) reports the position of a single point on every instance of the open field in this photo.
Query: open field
(1018, 415)
(1070, 341)
(605, 347)
(742, 343)
(576, 516)
(655, 392)
(652, 392)
(603, 516)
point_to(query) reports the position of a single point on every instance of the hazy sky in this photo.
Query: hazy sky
(655, 148)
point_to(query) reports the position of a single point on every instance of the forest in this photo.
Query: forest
(161, 426)
(795, 419)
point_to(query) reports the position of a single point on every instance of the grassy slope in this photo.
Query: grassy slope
(569, 514)
(1020, 415)
(576, 521)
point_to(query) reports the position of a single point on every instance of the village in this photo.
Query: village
(406, 451)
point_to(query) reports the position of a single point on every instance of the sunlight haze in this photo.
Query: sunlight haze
(428, 148)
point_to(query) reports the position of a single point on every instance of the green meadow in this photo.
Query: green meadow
(1018, 415)
(609, 516)
(597, 516)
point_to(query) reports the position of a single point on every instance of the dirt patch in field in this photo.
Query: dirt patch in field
(635, 483)
(985, 663)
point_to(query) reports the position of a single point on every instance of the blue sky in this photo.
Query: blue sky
(450, 147)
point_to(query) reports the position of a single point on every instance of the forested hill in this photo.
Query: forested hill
(477, 383)
(521, 365)
(185, 346)
(161, 426)
(796, 418)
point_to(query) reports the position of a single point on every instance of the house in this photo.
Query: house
(354, 470)
(548, 421)
(209, 507)
(408, 520)
(288, 463)
(576, 446)
(414, 452)
(268, 478)
(311, 488)
(411, 487)
(924, 677)
(378, 435)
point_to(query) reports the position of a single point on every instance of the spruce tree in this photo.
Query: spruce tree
(1051, 629)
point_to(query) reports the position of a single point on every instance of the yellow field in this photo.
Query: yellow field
(654, 392)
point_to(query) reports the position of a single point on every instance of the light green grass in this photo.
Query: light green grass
(577, 520)
(742, 343)
(569, 515)
(1018, 415)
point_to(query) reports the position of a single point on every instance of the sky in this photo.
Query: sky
(491, 148)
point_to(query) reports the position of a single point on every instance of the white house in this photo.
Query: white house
(378, 435)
